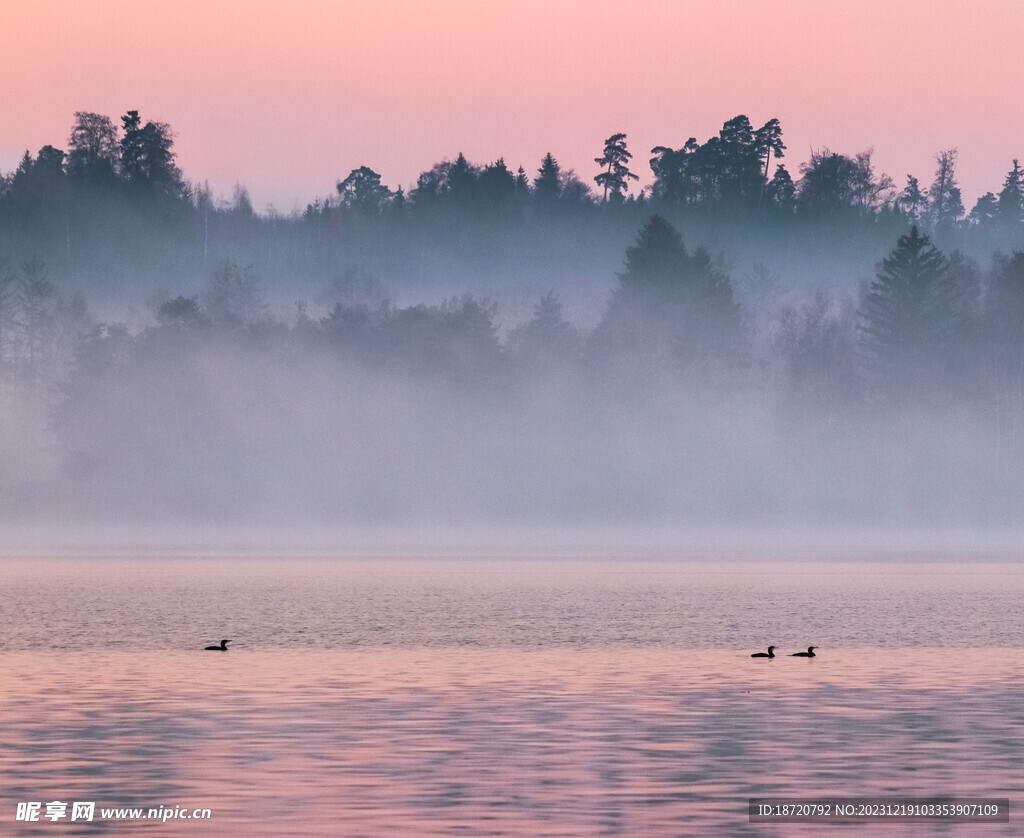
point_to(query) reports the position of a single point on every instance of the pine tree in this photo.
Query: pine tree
(912, 200)
(985, 212)
(908, 318)
(768, 141)
(1011, 199)
(782, 191)
(945, 203)
(363, 192)
(147, 158)
(615, 157)
(547, 186)
(671, 305)
(673, 185)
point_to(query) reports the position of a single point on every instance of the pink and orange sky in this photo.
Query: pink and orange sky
(288, 97)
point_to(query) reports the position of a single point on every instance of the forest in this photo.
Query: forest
(732, 345)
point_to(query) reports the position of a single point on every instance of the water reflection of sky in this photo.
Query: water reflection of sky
(504, 742)
(164, 604)
(504, 698)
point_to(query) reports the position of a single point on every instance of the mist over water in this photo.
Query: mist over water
(443, 466)
(224, 434)
(736, 349)
(517, 697)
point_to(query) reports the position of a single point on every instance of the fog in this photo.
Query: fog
(281, 429)
(504, 359)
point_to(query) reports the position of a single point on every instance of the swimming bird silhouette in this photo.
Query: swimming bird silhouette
(769, 654)
(222, 648)
(808, 654)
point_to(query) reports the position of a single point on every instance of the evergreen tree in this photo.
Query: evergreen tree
(363, 192)
(462, 183)
(132, 153)
(547, 186)
(945, 205)
(39, 184)
(671, 306)
(781, 192)
(985, 212)
(522, 185)
(147, 158)
(768, 142)
(672, 175)
(497, 186)
(740, 180)
(1011, 198)
(909, 317)
(614, 178)
(912, 200)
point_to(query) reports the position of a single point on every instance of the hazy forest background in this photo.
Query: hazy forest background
(735, 344)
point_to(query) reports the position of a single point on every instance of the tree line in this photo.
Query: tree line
(736, 175)
(931, 316)
(685, 365)
(929, 326)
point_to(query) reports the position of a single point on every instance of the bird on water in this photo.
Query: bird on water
(769, 654)
(222, 648)
(808, 654)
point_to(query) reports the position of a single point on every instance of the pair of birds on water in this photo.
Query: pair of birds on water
(771, 653)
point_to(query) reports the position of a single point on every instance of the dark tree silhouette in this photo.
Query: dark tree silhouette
(616, 157)
(497, 187)
(833, 185)
(39, 186)
(945, 206)
(985, 212)
(547, 186)
(181, 313)
(1011, 198)
(909, 317)
(739, 152)
(132, 152)
(462, 182)
(93, 147)
(672, 176)
(363, 192)
(768, 141)
(522, 185)
(781, 191)
(670, 306)
(912, 201)
(147, 158)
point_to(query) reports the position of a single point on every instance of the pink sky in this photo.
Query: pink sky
(287, 98)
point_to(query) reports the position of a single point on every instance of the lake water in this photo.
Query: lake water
(533, 697)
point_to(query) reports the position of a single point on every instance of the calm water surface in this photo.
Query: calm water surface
(500, 697)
